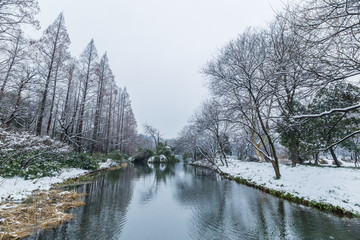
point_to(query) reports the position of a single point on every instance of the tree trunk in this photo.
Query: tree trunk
(66, 105)
(275, 161)
(316, 155)
(55, 116)
(47, 83)
(12, 63)
(122, 116)
(73, 118)
(52, 100)
(222, 151)
(195, 153)
(17, 105)
(108, 125)
(356, 158)
(294, 151)
(42, 106)
(79, 132)
(94, 145)
(276, 169)
(334, 157)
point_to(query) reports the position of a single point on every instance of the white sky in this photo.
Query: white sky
(157, 48)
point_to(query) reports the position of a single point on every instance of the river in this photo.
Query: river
(177, 201)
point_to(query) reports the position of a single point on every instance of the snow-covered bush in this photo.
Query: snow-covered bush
(11, 140)
(33, 164)
(143, 155)
(29, 156)
(157, 159)
(38, 164)
(115, 155)
(165, 152)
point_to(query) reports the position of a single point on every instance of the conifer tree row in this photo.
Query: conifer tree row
(45, 90)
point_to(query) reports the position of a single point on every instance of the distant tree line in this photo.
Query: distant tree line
(43, 89)
(293, 85)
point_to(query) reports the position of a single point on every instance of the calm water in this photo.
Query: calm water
(182, 202)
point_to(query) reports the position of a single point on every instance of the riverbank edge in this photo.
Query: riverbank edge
(324, 207)
(87, 177)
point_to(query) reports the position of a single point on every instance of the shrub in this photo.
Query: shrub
(101, 157)
(31, 165)
(143, 155)
(323, 161)
(82, 160)
(333, 163)
(115, 155)
(38, 164)
(164, 149)
(187, 155)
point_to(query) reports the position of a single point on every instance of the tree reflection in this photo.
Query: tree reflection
(159, 173)
(227, 210)
(195, 203)
(104, 214)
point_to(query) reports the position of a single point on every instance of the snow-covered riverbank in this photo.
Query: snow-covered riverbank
(335, 186)
(17, 188)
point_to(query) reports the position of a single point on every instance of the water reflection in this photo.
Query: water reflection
(175, 201)
(104, 214)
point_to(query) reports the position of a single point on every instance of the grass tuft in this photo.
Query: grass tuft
(43, 210)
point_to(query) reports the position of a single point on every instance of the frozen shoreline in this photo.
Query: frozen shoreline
(335, 186)
(17, 189)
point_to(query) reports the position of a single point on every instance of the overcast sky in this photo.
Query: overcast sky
(157, 48)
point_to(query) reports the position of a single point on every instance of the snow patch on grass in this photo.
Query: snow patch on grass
(336, 186)
(109, 163)
(17, 188)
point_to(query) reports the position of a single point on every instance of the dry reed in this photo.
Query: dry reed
(43, 210)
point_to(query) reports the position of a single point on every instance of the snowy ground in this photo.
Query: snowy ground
(336, 186)
(18, 188)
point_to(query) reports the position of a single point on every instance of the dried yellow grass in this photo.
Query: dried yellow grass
(123, 165)
(43, 210)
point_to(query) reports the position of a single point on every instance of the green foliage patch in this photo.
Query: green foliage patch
(167, 151)
(163, 150)
(143, 155)
(37, 164)
(81, 160)
(115, 155)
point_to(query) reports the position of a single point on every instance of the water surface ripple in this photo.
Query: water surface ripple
(177, 201)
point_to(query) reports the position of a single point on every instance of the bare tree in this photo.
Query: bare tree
(126, 124)
(104, 78)
(187, 141)
(21, 85)
(242, 77)
(154, 134)
(42, 88)
(88, 64)
(65, 121)
(52, 46)
(212, 119)
(329, 30)
(14, 54)
(14, 14)
(292, 84)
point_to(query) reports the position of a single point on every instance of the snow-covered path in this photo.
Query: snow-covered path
(336, 186)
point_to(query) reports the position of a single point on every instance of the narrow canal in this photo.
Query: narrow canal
(177, 201)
